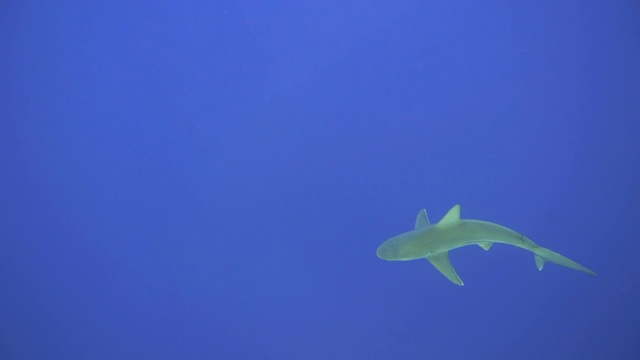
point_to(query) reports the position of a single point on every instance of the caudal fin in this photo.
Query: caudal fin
(542, 255)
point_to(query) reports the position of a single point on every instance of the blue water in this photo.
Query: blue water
(210, 180)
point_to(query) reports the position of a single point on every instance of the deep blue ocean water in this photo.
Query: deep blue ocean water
(210, 180)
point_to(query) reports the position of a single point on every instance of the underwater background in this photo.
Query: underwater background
(211, 179)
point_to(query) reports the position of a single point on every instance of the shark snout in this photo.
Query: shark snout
(384, 252)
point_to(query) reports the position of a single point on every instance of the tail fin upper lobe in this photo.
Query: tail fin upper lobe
(543, 255)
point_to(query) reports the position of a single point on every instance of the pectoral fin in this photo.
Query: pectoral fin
(442, 263)
(422, 220)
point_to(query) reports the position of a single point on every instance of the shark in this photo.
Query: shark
(434, 241)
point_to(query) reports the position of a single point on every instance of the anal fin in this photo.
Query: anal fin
(485, 245)
(539, 261)
(442, 263)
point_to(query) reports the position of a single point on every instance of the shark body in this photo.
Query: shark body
(434, 241)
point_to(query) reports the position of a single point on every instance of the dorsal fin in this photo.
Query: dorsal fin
(451, 218)
(422, 219)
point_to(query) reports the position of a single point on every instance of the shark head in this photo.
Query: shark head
(399, 248)
(387, 252)
(406, 246)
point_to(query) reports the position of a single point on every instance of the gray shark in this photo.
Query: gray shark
(433, 242)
